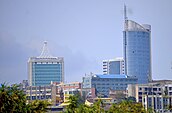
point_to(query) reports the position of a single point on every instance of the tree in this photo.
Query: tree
(13, 100)
(127, 107)
(73, 104)
(98, 106)
(38, 106)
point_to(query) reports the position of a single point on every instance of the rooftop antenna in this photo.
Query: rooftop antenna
(125, 13)
(125, 18)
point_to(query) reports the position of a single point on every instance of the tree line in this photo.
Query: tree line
(124, 106)
(13, 100)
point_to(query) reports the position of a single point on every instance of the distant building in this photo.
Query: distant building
(114, 66)
(118, 95)
(73, 86)
(24, 84)
(69, 86)
(103, 83)
(45, 68)
(68, 93)
(47, 92)
(156, 95)
(137, 50)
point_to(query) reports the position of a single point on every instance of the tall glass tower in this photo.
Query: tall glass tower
(137, 50)
(45, 68)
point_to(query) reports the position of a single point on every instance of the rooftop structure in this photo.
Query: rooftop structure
(111, 76)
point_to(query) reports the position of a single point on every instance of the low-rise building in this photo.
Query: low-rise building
(118, 95)
(156, 95)
(69, 86)
(103, 83)
(47, 92)
(70, 92)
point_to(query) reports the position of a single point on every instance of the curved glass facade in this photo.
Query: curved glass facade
(137, 51)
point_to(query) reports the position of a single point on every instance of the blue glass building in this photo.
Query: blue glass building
(104, 83)
(137, 51)
(45, 68)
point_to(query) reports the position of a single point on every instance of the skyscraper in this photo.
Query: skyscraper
(137, 50)
(45, 68)
(114, 66)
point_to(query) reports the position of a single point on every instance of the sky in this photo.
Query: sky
(84, 32)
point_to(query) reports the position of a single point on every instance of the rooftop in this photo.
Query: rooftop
(111, 76)
(133, 26)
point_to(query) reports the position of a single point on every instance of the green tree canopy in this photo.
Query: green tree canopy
(13, 100)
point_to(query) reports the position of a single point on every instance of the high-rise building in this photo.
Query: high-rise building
(45, 68)
(114, 66)
(137, 50)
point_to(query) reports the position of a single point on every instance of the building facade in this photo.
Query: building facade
(69, 86)
(114, 66)
(137, 51)
(154, 95)
(45, 69)
(103, 83)
(47, 92)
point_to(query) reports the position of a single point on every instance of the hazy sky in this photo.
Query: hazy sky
(84, 32)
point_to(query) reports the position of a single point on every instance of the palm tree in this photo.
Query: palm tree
(39, 106)
(12, 99)
(73, 104)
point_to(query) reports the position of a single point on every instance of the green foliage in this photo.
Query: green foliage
(74, 104)
(127, 107)
(13, 100)
(98, 107)
(38, 106)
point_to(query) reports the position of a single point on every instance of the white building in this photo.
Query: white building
(156, 95)
(114, 66)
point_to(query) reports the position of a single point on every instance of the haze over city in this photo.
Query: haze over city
(83, 32)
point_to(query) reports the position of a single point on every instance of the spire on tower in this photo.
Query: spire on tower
(125, 12)
(45, 52)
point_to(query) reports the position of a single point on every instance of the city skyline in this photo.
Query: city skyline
(83, 32)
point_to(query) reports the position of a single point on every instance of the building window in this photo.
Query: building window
(140, 93)
(146, 89)
(170, 88)
(154, 89)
